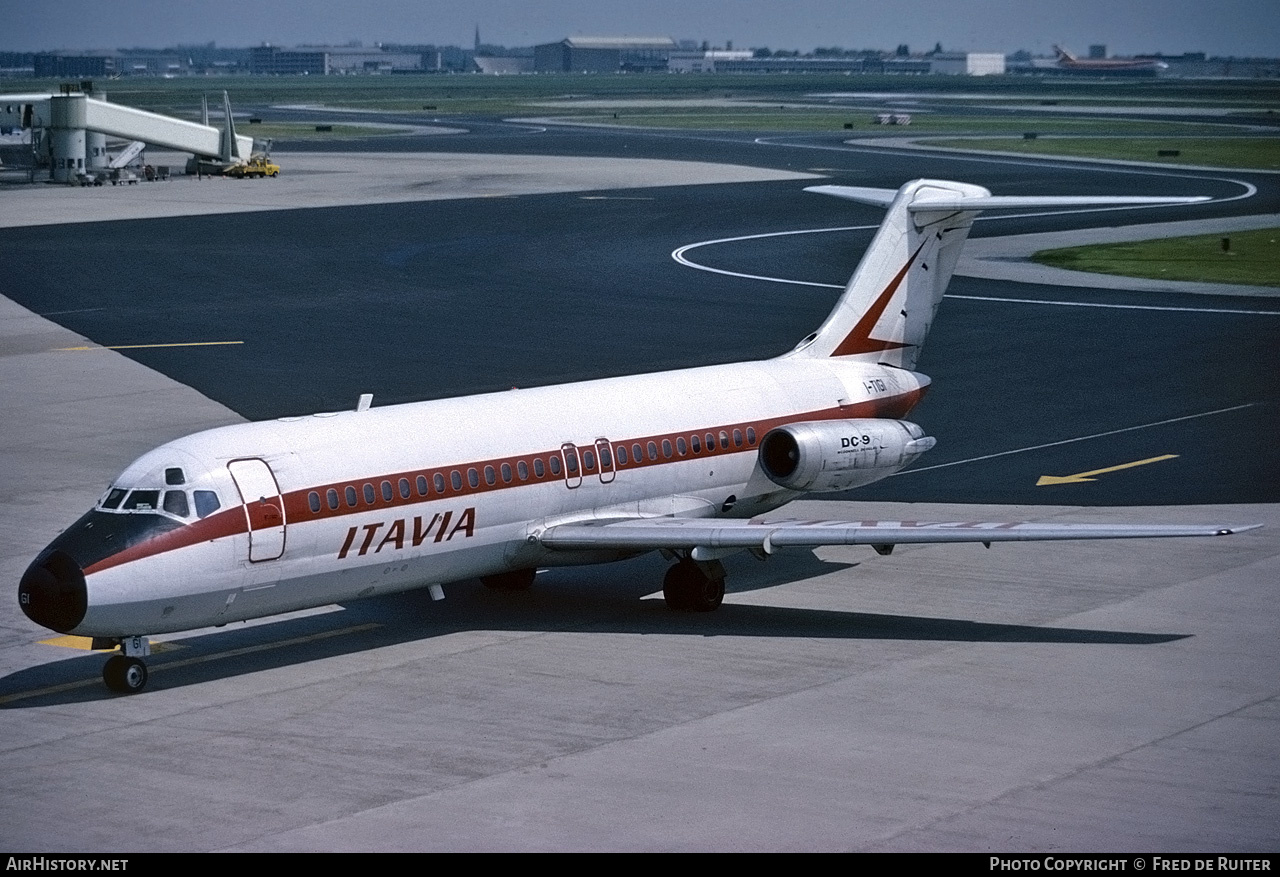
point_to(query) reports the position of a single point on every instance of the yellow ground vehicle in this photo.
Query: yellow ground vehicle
(254, 167)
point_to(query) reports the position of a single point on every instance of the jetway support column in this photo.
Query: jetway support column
(95, 151)
(67, 123)
(95, 145)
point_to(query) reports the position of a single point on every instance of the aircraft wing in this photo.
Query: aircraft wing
(709, 534)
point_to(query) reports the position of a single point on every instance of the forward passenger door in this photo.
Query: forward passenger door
(263, 508)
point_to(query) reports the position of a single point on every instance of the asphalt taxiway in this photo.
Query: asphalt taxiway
(1034, 697)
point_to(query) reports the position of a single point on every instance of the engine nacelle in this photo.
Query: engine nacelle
(840, 454)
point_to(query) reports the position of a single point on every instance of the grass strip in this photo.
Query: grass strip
(1247, 257)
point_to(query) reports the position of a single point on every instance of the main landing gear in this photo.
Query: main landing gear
(691, 586)
(126, 672)
(515, 580)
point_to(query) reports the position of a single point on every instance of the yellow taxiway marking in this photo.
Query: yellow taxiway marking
(186, 662)
(137, 346)
(1085, 476)
(85, 644)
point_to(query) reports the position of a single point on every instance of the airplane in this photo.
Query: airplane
(257, 519)
(1068, 61)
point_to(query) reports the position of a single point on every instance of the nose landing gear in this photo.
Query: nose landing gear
(126, 672)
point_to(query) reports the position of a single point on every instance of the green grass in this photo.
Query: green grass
(783, 103)
(1234, 152)
(808, 118)
(499, 95)
(1254, 258)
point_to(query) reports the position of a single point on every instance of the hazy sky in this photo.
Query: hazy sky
(1221, 27)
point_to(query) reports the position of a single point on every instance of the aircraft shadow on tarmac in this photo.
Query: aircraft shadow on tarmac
(581, 600)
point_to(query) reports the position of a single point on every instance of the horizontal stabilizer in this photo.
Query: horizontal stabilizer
(884, 198)
(861, 194)
(687, 533)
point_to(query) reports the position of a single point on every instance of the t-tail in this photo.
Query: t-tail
(891, 299)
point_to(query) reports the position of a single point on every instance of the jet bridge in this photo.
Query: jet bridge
(72, 120)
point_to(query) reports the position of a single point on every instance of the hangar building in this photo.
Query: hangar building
(604, 55)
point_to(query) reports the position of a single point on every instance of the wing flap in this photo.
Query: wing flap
(689, 533)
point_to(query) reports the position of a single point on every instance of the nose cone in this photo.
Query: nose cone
(52, 592)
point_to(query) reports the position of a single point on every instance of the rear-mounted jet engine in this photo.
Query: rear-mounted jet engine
(840, 454)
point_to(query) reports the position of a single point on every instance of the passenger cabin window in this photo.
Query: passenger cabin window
(489, 475)
(538, 469)
(622, 455)
(506, 472)
(438, 480)
(369, 494)
(332, 496)
(313, 500)
(555, 465)
(696, 443)
(588, 460)
(522, 469)
(351, 496)
(387, 494)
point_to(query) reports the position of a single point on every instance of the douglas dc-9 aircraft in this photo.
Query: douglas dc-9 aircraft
(261, 518)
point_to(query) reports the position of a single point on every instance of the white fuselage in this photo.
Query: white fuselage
(360, 510)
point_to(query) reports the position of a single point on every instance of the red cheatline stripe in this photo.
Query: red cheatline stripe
(231, 521)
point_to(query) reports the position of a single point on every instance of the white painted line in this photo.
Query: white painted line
(679, 256)
(1082, 162)
(1089, 304)
(1083, 438)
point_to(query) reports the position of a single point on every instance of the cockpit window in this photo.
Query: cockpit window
(113, 498)
(174, 476)
(175, 503)
(142, 500)
(206, 502)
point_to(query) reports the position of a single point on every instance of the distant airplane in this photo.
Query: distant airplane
(1068, 61)
(261, 518)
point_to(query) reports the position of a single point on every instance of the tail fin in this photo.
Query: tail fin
(889, 303)
(230, 145)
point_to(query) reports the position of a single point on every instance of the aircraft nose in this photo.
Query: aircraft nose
(52, 591)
